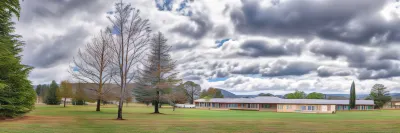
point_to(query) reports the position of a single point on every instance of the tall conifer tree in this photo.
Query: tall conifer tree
(352, 100)
(17, 95)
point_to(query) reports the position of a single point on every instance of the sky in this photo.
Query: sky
(243, 46)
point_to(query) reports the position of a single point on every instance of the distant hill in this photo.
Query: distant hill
(228, 94)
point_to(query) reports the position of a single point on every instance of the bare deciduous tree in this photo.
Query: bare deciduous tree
(192, 90)
(128, 45)
(175, 97)
(93, 65)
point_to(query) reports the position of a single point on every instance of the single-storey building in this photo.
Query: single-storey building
(282, 105)
(393, 104)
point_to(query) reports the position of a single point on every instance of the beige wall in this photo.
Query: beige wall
(297, 108)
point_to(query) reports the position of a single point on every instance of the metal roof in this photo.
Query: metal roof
(284, 101)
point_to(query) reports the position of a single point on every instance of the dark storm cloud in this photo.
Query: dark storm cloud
(50, 53)
(259, 48)
(199, 30)
(220, 31)
(379, 74)
(249, 69)
(331, 19)
(328, 71)
(354, 55)
(370, 65)
(184, 45)
(55, 9)
(285, 68)
(389, 54)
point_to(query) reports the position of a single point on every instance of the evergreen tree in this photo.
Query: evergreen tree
(52, 94)
(352, 100)
(38, 89)
(380, 95)
(17, 95)
(157, 73)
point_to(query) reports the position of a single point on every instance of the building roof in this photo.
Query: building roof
(284, 101)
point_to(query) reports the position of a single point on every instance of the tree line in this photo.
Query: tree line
(54, 93)
(379, 94)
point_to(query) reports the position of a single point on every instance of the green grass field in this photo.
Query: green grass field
(76, 119)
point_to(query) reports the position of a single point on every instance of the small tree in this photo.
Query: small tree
(79, 96)
(380, 95)
(211, 93)
(315, 95)
(52, 94)
(352, 100)
(296, 95)
(175, 97)
(65, 90)
(192, 90)
(38, 91)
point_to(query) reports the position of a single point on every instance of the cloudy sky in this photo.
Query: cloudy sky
(243, 46)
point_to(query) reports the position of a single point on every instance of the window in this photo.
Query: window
(309, 108)
(303, 108)
(288, 106)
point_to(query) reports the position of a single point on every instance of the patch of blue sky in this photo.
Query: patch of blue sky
(164, 5)
(217, 79)
(115, 30)
(221, 42)
(75, 69)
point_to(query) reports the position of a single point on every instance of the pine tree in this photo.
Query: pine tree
(52, 94)
(352, 100)
(157, 74)
(17, 95)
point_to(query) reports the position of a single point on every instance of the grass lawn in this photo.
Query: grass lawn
(74, 119)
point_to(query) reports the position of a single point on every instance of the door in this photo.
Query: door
(324, 108)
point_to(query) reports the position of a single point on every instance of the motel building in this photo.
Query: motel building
(282, 105)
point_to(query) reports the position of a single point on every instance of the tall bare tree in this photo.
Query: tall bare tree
(128, 45)
(192, 90)
(158, 73)
(93, 64)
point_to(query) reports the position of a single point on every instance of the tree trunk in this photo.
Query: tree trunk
(65, 99)
(98, 105)
(156, 103)
(120, 110)
(120, 105)
(191, 101)
(173, 108)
